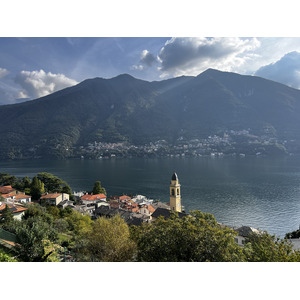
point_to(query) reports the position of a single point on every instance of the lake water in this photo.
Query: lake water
(256, 191)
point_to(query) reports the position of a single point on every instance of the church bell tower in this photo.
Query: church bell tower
(175, 196)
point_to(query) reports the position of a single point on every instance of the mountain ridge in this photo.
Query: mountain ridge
(126, 109)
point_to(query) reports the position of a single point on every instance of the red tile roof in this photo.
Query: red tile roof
(6, 189)
(51, 196)
(93, 197)
(124, 197)
(17, 207)
(22, 196)
(150, 208)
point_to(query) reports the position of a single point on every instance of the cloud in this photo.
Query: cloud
(286, 70)
(37, 84)
(147, 58)
(3, 72)
(191, 56)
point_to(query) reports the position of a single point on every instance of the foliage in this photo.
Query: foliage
(78, 223)
(61, 225)
(54, 211)
(98, 189)
(293, 235)
(23, 184)
(30, 236)
(6, 215)
(51, 251)
(54, 184)
(6, 257)
(193, 238)
(36, 188)
(108, 240)
(264, 247)
(7, 179)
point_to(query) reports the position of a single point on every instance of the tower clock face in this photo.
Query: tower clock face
(177, 204)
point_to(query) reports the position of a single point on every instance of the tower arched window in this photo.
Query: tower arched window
(173, 192)
(177, 191)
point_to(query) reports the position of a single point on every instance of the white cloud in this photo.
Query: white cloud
(285, 70)
(191, 56)
(37, 84)
(3, 72)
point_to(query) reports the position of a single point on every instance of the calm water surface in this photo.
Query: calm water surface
(255, 191)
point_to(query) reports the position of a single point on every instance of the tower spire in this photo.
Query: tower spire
(175, 195)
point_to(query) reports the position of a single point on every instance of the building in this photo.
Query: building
(243, 232)
(7, 190)
(166, 213)
(17, 210)
(90, 199)
(175, 195)
(55, 198)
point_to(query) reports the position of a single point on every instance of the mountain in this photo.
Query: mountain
(128, 109)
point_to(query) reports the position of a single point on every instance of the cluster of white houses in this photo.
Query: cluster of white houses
(134, 210)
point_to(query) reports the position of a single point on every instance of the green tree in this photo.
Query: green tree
(54, 184)
(98, 189)
(194, 238)
(54, 211)
(29, 238)
(264, 247)
(23, 184)
(6, 216)
(7, 179)
(108, 240)
(36, 188)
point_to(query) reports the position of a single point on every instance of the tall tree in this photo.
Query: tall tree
(108, 240)
(98, 189)
(37, 188)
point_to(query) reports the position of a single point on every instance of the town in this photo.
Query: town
(83, 208)
(230, 143)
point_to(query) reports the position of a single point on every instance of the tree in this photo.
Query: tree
(108, 240)
(7, 179)
(98, 189)
(197, 237)
(29, 238)
(6, 216)
(36, 188)
(264, 247)
(23, 184)
(78, 223)
(54, 184)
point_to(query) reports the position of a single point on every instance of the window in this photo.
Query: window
(177, 191)
(173, 192)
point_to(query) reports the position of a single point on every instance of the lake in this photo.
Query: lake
(262, 192)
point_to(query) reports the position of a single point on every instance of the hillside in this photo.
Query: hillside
(136, 111)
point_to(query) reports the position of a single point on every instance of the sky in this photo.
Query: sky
(32, 67)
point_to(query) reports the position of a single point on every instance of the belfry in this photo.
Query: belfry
(175, 196)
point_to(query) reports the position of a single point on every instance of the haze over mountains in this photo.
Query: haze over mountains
(128, 109)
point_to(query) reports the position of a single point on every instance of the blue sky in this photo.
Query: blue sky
(34, 67)
(136, 37)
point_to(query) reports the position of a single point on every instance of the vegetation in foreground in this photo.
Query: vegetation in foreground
(48, 234)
